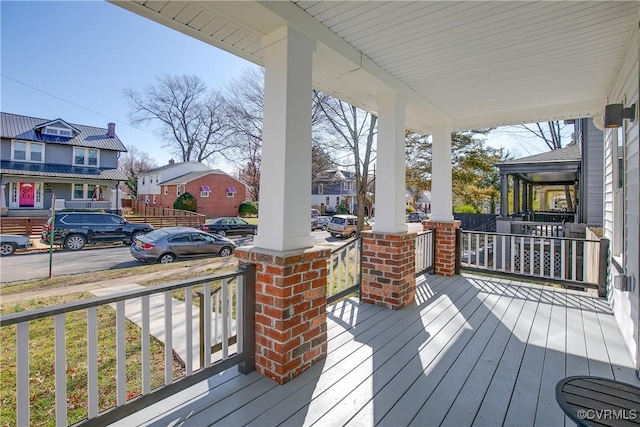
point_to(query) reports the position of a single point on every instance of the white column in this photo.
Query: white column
(285, 176)
(441, 190)
(391, 165)
(3, 200)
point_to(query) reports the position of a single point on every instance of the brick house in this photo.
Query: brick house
(218, 193)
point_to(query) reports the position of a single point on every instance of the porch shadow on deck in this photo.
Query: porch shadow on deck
(470, 351)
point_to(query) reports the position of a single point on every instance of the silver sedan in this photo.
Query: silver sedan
(167, 244)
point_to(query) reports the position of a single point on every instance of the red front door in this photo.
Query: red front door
(27, 194)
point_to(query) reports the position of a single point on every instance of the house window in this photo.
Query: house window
(153, 200)
(82, 191)
(85, 156)
(345, 186)
(231, 192)
(320, 188)
(27, 151)
(178, 190)
(143, 180)
(205, 190)
(326, 201)
(50, 130)
(618, 192)
(166, 190)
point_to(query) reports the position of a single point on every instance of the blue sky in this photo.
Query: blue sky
(74, 59)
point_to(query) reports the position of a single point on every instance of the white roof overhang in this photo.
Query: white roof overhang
(470, 64)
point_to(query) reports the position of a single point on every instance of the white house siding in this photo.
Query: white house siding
(625, 302)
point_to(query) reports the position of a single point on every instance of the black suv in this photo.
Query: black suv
(75, 229)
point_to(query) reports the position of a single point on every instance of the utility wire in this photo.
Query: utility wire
(73, 103)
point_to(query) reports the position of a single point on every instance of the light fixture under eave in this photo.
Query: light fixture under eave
(614, 113)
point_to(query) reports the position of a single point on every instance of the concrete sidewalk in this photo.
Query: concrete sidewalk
(178, 310)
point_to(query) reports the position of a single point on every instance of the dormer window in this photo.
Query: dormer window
(86, 156)
(58, 131)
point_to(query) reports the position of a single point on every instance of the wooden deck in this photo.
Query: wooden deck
(471, 351)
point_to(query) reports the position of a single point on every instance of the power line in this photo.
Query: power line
(73, 103)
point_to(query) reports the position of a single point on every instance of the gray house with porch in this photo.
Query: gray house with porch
(41, 158)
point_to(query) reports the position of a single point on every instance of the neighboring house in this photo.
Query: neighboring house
(420, 201)
(217, 193)
(331, 187)
(41, 158)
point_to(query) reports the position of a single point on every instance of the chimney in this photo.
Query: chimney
(111, 130)
(171, 161)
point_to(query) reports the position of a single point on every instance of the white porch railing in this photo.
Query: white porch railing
(425, 251)
(344, 270)
(558, 259)
(237, 304)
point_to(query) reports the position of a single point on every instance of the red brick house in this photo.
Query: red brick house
(218, 193)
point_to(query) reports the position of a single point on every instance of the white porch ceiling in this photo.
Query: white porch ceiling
(472, 63)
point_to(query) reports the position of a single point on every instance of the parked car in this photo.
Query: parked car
(165, 245)
(320, 223)
(10, 242)
(345, 226)
(315, 213)
(75, 229)
(417, 216)
(227, 226)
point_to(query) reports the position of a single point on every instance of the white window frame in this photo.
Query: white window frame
(345, 186)
(153, 199)
(230, 195)
(321, 188)
(28, 151)
(178, 190)
(166, 190)
(619, 193)
(58, 131)
(204, 194)
(85, 158)
(87, 193)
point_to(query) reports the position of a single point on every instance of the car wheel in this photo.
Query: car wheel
(166, 258)
(353, 234)
(324, 228)
(7, 249)
(226, 251)
(75, 242)
(222, 233)
(135, 235)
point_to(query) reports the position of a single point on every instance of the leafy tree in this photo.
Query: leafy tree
(131, 164)
(350, 131)
(190, 117)
(475, 179)
(186, 202)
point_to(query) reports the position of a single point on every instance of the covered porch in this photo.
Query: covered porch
(470, 350)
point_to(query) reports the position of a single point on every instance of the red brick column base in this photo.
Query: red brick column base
(291, 309)
(388, 269)
(445, 246)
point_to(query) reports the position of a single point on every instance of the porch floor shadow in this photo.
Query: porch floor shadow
(471, 350)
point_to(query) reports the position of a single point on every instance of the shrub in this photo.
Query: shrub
(248, 208)
(342, 208)
(466, 209)
(186, 202)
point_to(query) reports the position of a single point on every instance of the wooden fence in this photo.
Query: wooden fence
(22, 226)
(142, 209)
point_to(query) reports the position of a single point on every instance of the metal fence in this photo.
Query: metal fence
(425, 251)
(178, 324)
(344, 270)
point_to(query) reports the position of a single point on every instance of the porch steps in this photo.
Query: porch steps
(133, 312)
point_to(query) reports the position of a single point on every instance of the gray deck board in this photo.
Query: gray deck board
(472, 350)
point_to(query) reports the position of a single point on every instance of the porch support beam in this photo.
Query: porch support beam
(504, 194)
(391, 165)
(285, 178)
(516, 195)
(441, 181)
(525, 196)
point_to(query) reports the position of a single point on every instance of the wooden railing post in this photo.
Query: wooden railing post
(604, 267)
(248, 318)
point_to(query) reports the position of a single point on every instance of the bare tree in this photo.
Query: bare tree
(552, 135)
(190, 117)
(244, 104)
(352, 132)
(132, 163)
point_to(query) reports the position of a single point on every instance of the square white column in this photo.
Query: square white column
(285, 176)
(391, 165)
(441, 189)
